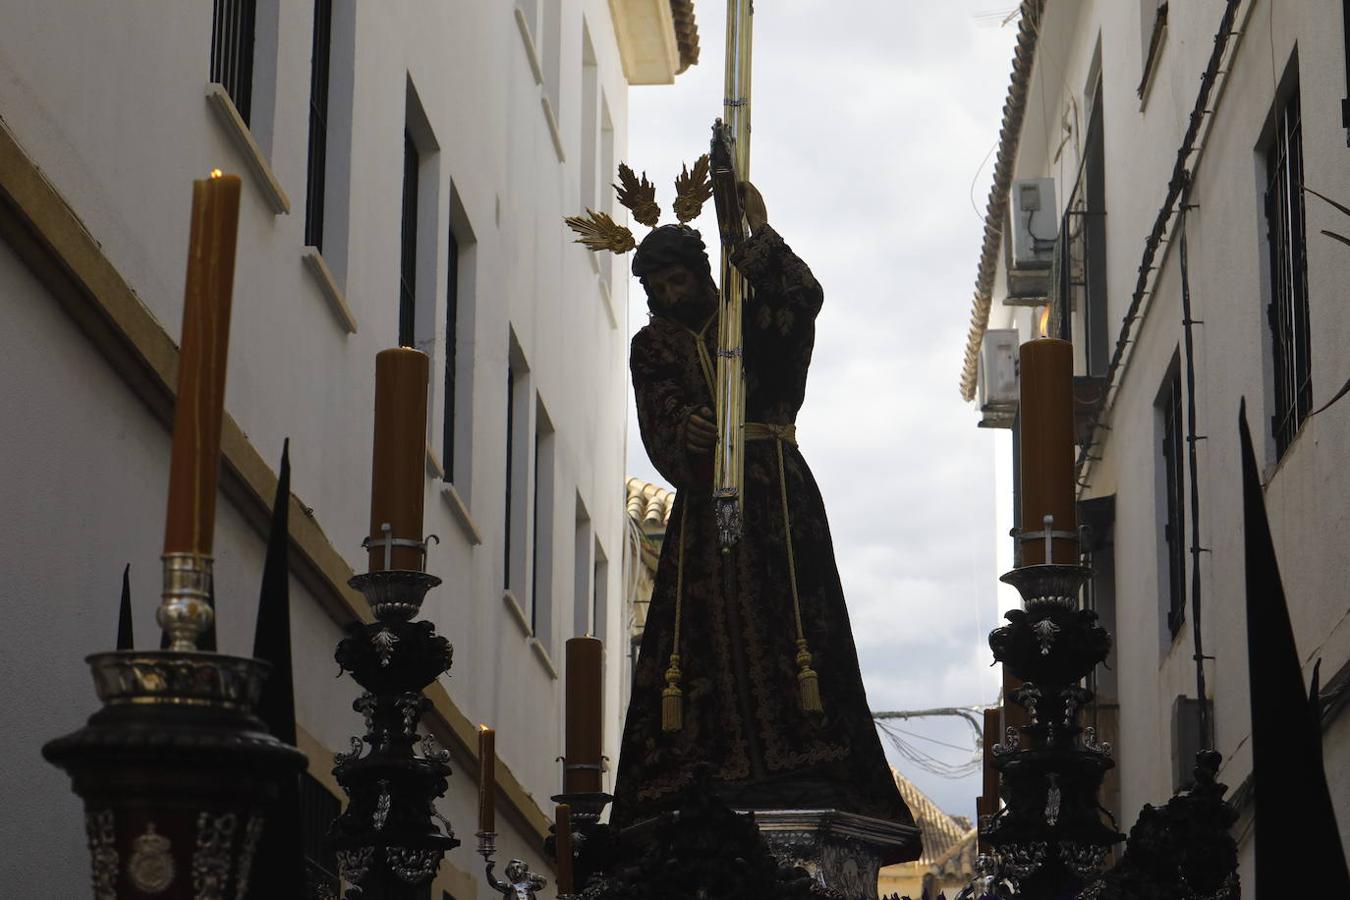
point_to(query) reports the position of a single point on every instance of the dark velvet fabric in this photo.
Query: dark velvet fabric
(737, 639)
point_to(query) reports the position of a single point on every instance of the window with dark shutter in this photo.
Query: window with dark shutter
(1174, 528)
(407, 296)
(451, 361)
(318, 122)
(510, 466)
(232, 33)
(1288, 310)
(1097, 337)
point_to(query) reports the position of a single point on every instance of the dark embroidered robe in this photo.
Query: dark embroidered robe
(738, 649)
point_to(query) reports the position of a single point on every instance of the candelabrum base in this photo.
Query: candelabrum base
(176, 773)
(842, 851)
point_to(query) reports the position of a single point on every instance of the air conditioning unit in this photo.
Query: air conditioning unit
(1032, 229)
(997, 384)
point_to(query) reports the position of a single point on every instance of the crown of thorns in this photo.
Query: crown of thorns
(598, 231)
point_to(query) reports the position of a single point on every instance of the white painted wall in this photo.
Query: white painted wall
(1308, 494)
(109, 100)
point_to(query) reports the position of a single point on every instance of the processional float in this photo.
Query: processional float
(188, 772)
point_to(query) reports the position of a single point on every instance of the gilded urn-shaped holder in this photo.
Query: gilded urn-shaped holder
(176, 772)
(387, 840)
(1050, 838)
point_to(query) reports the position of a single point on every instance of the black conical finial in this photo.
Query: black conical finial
(279, 852)
(1287, 768)
(125, 639)
(272, 637)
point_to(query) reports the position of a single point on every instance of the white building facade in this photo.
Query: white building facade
(1097, 164)
(406, 168)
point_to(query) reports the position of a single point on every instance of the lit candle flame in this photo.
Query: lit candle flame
(1045, 321)
(216, 173)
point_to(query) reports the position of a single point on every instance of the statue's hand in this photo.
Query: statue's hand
(699, 431)
(752, 204)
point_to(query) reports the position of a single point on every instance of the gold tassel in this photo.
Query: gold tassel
(672, 698)
(808, 682)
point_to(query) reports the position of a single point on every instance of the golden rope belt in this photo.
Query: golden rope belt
(808, 682)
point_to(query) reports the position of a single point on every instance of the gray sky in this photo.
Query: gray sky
(871, 120)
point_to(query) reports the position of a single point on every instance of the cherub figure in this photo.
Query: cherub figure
(520, 884)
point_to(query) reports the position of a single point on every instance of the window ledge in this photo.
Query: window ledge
(337, 303)
(1155, 44)
(434, 467)
(545, 660)
(517, 614)
(234, 125)
(531, 53)
(1278, 466)
(460, 513)
(553, 129)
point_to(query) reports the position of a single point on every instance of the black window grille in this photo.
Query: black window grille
(451, 360)
(232, 32)
(1288, 309)
(407, 297)
(318, 122)
(318, 809)
(1174, 527)
(510, 465)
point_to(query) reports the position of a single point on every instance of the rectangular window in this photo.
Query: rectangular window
(599, 594)
(1097, 339)
(607, 174)
(318, 121)
(318, 809)
(516, 530)
(510, 480)
(232, 33)
(407, 296)
(590, 124)
(1288, 309)
(451, 350)
(541, 556)
(581, 570)
(1174, 498)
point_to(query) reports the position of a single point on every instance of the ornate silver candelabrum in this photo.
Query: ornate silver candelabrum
(1049, 838)
(388, 842)
(176, 772)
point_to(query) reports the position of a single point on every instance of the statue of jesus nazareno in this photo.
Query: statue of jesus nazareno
(748, 672)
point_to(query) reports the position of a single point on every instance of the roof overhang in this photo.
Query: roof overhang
(658, 39)
(1009, 135)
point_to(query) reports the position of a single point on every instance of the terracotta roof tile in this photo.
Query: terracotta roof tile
(648, 504)
(686, 32)
(1014, 107)
(941, 833)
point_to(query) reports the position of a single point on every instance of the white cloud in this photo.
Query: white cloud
(870, 125)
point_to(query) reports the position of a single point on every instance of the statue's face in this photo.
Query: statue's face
(671, 287)
(515, 870)
(676, 289)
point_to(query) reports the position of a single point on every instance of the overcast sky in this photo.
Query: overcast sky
(872, 119)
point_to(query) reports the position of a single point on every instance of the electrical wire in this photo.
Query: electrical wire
(897, 737)
(927, 761)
